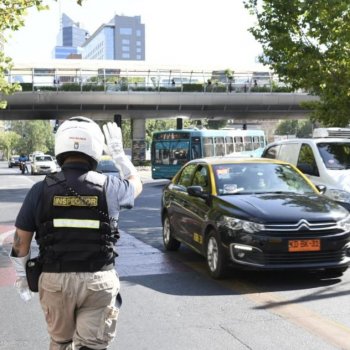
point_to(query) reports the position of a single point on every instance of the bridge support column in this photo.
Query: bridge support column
(138, 147)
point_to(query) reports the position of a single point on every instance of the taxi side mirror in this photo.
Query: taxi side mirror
(197, 191)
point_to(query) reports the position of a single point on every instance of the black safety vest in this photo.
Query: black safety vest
(75, 233)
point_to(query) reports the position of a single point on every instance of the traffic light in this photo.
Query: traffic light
(118, 120)
(179, 123)
(57, 124)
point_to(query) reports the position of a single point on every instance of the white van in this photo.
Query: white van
(43, 164)
(325, 161)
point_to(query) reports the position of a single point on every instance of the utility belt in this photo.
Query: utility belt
(76, 266)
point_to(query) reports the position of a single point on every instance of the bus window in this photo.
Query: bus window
(208, 146)
(262, 141)
(256, 143)
(229, 145)
(248, 144)
(161, 153)
(196, 151)
(219, 146)
(239, 144)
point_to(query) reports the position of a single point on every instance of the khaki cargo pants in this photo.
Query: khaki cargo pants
(80, 308)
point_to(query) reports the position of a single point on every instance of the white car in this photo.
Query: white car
(325, 161)
(43, 164)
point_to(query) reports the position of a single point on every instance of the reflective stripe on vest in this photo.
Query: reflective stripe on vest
(94, 224)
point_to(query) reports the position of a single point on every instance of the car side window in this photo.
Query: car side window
(271, 152)
(306, 161)
(186, 175)
(201, 178)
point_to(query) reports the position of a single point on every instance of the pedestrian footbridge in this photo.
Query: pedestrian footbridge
(100, 89)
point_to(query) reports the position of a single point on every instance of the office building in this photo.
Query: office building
(70, 38)
(123, 38)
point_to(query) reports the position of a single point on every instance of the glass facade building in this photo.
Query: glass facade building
(123, 38)
(101, 44)
(62, 52)
(70, 38)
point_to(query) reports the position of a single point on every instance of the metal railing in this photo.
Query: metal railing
(111, 80)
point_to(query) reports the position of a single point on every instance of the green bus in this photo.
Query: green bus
(171, 149)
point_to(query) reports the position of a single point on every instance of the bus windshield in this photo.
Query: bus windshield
(171, 152)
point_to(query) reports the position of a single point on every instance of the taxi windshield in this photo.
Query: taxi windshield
(259, 178)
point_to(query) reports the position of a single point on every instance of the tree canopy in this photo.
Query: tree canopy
(299, 128)
(307, 43)
(12, 18)
(27, 136)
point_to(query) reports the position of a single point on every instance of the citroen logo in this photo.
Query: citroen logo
(303, 223)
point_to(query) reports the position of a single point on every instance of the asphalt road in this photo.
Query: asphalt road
(169, 301)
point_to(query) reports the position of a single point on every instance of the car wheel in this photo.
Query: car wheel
(215, 254)
(170, 243)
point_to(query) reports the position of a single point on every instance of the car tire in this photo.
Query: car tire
(215, 255)
(170, 243)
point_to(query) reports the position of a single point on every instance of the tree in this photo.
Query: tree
(287, 127)
(12, 15)
(305, 129)
(307, 43)
(216, 124)
(299, 128)
(8, 142)
(36, 135)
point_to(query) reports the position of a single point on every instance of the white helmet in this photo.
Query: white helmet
(79, 134)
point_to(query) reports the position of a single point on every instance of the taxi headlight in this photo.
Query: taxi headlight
(345, 223)
(338, 195)
(241, 225)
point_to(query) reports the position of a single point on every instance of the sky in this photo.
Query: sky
(182, 32)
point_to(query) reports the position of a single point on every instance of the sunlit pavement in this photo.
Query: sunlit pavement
(135, 258)
(7, 273)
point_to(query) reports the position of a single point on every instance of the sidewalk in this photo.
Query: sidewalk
(145, 173)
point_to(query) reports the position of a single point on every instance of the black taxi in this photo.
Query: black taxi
(254, 213)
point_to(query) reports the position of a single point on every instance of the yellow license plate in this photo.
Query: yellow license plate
(304, 245)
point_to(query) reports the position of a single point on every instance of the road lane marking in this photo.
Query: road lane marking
(329, 330)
